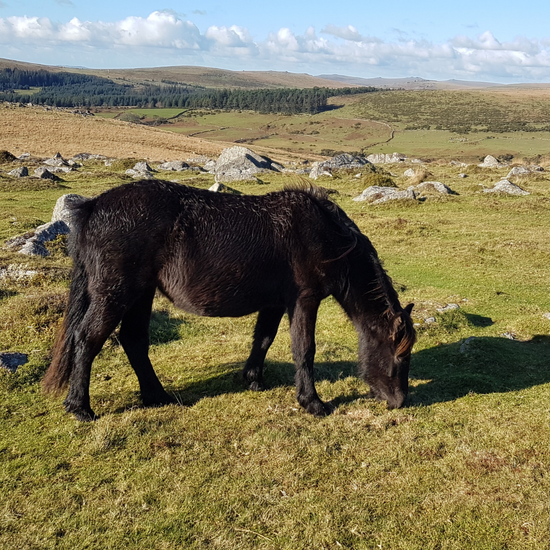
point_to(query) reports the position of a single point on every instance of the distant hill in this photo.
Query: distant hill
(195, 76)
(408, 83)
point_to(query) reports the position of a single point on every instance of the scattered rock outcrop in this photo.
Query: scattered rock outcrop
(56, 160)
(21, 172)
(491, 162)
(381, 158)
(240, 164)
(345, 161)
(33, 243)
(505, 186)
(433, 186)
(141, 170)
(64, 208)
(43, 173)
(376, 194)
(523, 170)
(174, 166)
(88, 156)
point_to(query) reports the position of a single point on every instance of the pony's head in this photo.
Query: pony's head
(386, 357)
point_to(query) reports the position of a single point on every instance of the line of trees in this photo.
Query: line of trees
(65, 89)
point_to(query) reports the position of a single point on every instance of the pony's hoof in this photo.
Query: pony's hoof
(256, 386)
(159, 401)
(85, 415)
(319, 409)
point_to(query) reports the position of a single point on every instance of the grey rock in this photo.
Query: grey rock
(381, 158)
(345, 161)
(491, 162)
(139, 175)
(11, 360)
(141, 170)
(505, 186)
(430, 320)
(318, 170)
(433, 186)
(34, 246)
(174, 166)
(409, 173)
(142, 166)
(20, 172)
(518, 171)
(88, 156)
(546, 315)
(24, 156)
(64, 208)
(509, 335)
(462, 175)
(376, 194)
(221, 188)
(56, 160)
(43, 173)
(60, 169)
(240, 164)
(448, 307)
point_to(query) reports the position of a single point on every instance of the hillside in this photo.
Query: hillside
(409, 83)
(196, 76)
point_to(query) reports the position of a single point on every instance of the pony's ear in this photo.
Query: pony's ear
(409, 308)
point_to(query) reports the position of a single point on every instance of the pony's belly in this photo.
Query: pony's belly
(226, 302)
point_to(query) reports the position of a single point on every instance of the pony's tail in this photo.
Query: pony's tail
(58, 375)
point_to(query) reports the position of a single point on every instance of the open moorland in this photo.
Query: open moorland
(462, 125)
(464, 465)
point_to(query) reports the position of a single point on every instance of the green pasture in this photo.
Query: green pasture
(427, 124)
(465, 465)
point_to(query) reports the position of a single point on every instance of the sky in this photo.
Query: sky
(504, 42)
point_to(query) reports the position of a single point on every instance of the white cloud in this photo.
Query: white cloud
(164, 37)
(349, 33)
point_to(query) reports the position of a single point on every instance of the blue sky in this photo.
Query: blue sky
(504, 42)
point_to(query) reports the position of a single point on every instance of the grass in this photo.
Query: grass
(465, 465)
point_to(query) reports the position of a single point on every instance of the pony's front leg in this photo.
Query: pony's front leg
(267, 325)
(302, 333)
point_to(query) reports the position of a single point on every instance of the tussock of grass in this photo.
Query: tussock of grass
(32, 319)
(27, 184)
(419, 177)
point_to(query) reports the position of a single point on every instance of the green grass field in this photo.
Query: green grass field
(427, 124)
(465, 465)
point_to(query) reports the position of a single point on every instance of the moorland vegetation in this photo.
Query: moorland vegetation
(466, 464)
(64, 89)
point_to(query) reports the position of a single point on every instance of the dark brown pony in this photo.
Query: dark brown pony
(223, 255)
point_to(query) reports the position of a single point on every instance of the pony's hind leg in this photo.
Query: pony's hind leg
(266, 328)
(134, 337)
(302, 333)
(98, 323)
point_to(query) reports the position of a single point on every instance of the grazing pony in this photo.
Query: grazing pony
(223, 255)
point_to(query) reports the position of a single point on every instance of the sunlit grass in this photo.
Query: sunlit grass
(464, 465)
